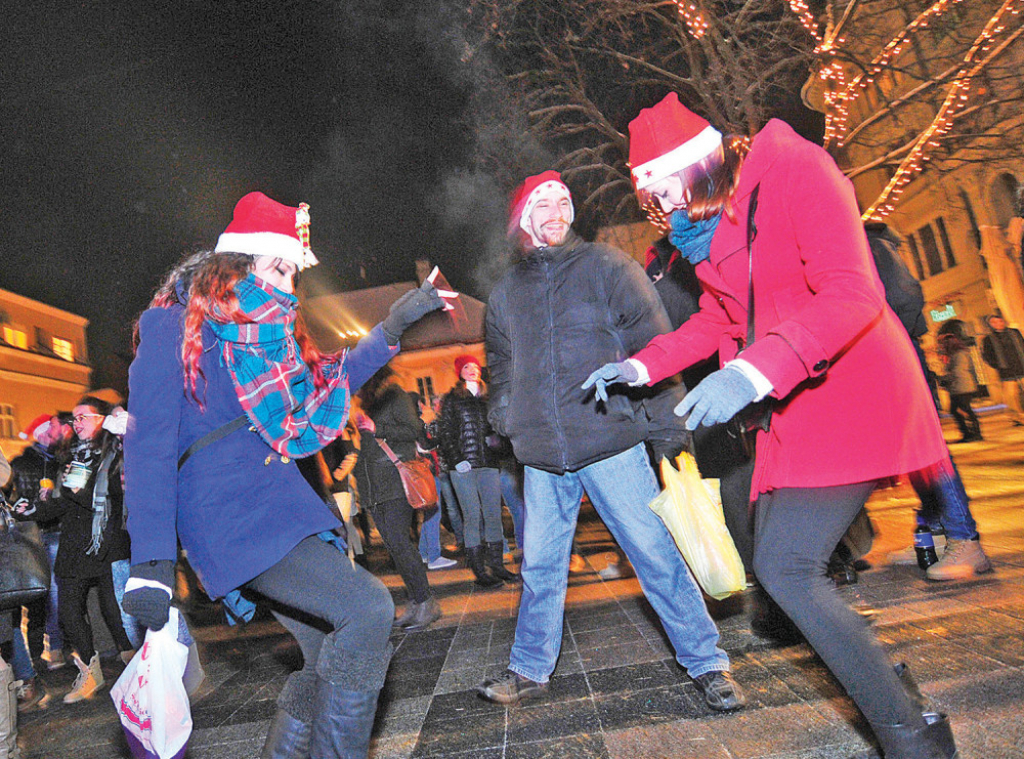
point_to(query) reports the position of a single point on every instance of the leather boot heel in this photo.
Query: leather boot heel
(475, 559)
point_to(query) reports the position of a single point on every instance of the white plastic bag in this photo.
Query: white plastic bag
(692, 510)
(150, 695)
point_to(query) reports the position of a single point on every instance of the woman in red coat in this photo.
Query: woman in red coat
(850, 408)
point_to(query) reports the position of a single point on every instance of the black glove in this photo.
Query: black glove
(409, 309)
(668, 449)
(150, 605)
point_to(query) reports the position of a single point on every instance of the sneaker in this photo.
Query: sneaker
(510, 688)
(442, 563)
(577, 564)
(426, 614)
(32, 696)
(960, 560)
(89, 680)
(908, 555)
(720, 691)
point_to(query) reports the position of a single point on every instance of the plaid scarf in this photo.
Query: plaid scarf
(273, 384)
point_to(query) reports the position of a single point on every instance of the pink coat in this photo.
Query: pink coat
(853, 403)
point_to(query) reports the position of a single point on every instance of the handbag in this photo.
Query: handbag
(152, 694)
(417, 478)
(743, 427)
(24, 567)
(691, 509)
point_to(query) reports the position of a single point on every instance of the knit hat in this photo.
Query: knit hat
(526, 196)
(461, 362)
(667, 138)
(263, 227)
(35, 427)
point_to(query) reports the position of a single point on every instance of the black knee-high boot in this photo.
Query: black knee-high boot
(496, 563)
(287, 738)
(344, 722)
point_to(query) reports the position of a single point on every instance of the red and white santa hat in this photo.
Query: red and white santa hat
(263, 227)
(528, 193)
(35, 427)
(667, 138)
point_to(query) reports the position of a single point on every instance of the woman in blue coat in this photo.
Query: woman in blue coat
(226, 391)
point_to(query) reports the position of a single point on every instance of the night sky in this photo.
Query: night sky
(128, 132)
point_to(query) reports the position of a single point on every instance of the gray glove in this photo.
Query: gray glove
(151, 606)
(716, 399)
(409, 309)
(610, 374)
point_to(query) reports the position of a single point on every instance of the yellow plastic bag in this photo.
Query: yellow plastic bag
(692, 510)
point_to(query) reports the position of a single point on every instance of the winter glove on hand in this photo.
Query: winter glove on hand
(147, 594)
(409, 309)
(668, 449)
(716, 399)
(610, 374)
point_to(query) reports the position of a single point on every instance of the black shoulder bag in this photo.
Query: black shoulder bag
(757, 416)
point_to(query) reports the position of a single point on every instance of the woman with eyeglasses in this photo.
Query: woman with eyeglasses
(88, 498)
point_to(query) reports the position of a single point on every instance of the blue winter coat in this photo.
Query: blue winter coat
(236, 505)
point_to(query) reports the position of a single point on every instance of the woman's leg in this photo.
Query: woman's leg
(393, 519)
(489, 487)
(465, 486)
(795, 532)
(112, 612)
(135, 632)
(332, 698)
(72, 611)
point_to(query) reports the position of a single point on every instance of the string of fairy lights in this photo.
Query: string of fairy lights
(840, 92)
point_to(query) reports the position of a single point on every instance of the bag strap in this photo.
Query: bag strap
(751, 234)
(387, 450)
(211, 437)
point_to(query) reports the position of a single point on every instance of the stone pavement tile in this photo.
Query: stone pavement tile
(548, 721)
(216, 715)
(991, 699)
(976, 622)
(574, 747)
(443, 737)
(422, 645)
(405, 668)
(608, 636)
(392, 746)
(766, 732)
(455, 680)
(650, 707)
(974, 741)
(465, 704)
(682, 739)
(941, 661)
(831, 751)
(762, 686)
(630, 678)
(596, 619)
(618, 655)
(569, 663)
(243, 740)
(802, 672)
(408, 687)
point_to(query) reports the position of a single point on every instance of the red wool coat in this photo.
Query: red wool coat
(853, 403)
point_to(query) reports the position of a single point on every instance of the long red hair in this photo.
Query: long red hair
(206, 282)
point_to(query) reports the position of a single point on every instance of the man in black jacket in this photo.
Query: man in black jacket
(566, 308)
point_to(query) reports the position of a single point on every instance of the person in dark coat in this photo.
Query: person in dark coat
(1003, 350)
(88, 499)
(227, 389)
(565, 305)
(465, 438)
(390, 417)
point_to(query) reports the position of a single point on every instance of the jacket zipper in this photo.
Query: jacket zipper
(554, 373)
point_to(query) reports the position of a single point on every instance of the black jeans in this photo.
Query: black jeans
(394, 520)
(73, 612)
(340, 615)
(966, 419)
(795, 531)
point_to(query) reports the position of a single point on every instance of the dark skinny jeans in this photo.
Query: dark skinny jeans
(795, 531)
(394, 519)
(73, 611)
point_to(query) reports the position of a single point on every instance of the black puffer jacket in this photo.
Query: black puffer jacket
(463, 429)
(395, 417)
(555, 317)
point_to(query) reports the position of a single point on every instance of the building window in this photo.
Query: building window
(915, 254)
(940, 224)
(931, 250)
(64, 349)
(16, 337)
(425, 385)
(7, 421)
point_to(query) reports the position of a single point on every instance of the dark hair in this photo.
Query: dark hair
(101, 406)
(104, 438)
(712, 193)
(371, 390)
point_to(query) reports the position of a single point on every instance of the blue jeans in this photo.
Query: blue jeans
(430, 535)
(451, 506)
(944, 502)
(513, 496)
(21, 662)
(479, 494)
(620, 487)
(120, 570)
(54, 635)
